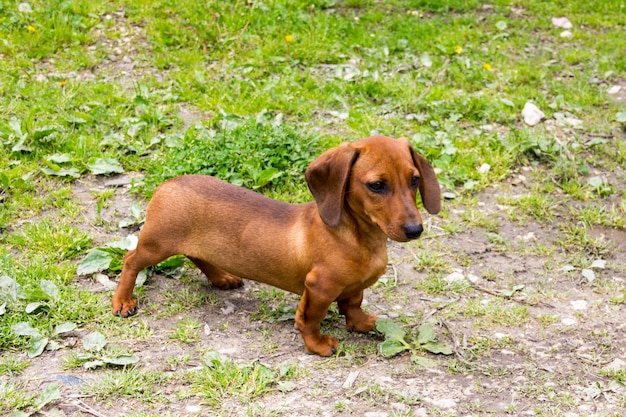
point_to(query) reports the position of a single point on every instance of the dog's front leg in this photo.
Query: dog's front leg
(356, 319)
(312, 309)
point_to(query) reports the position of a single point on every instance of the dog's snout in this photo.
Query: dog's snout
(413, 231)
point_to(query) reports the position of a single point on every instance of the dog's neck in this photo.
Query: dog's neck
(363, 230)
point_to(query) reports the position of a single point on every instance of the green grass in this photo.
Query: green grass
(252, 92)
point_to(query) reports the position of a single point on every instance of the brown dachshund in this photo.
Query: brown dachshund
(327, 250)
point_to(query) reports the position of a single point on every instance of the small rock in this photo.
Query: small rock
(568, 321)
(614, 89)
(350, 380)
(579, 304)
(193, 408)
(400, 408)
(420, 412)
(562, 22)
(106, 282)
(376, 414)
(228, 308)
(616, 365)
(445, 403)
(228, 351)
(567, 34)
(454, 277)
(532, 114)
(473, 278)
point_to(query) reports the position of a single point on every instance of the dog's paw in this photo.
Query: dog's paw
(124, 308)
(364, 323)
(227, 281)
(325, 345)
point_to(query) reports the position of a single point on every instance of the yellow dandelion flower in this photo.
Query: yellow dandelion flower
(289, 38)
(488, 67)
(31, 29)
(63, 84)
(458, 49)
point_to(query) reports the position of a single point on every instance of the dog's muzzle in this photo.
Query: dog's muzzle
(413, 231)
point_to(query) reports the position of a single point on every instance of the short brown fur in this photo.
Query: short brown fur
(327, 250)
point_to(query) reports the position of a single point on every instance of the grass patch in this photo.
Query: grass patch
(222, 379)
(252, 92)
(252, 152)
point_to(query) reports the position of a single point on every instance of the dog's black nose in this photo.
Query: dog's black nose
(413, 231)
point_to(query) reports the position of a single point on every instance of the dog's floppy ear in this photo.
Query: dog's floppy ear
(328, 177)
(430, 191)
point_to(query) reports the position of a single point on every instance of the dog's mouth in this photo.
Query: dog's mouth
(405, 233)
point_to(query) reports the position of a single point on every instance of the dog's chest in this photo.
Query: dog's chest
(374, 266)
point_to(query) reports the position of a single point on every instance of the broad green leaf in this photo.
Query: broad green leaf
(104, 166)
(121, 360)
(598, 263)
(593, 391)
(173, 141)
(266, 176)
(423, 361)
(94, 341)
(426, 333)
(135, 128)
(286, 386)
(37, 345)
(621, 117)
(53, 345)
(519, 287)
(390, 329)
(30, 307)
(59, 158)
(142, 276)
(438, 347)
(589, 275)
(127, 243)
(213, 359)
(16, 126)
(44, 131)
(93, 364)
(501, 25)
(390, 348)
(50, 288)
(24, 329)
(50, 394)
(65, 327)
(126, 222)
(62, 172)
(3, 309)
(78, 118)
(136, 210)
(96, 260)
(595, 182)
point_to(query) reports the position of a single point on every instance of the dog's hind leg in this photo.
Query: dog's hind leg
(218, 277)
(356, 319)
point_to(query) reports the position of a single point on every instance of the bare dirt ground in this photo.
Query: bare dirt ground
(546, 354)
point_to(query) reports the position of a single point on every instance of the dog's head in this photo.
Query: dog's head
(376, 180)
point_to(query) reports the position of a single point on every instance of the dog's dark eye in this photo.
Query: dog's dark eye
(377, 187)
(415, 182)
